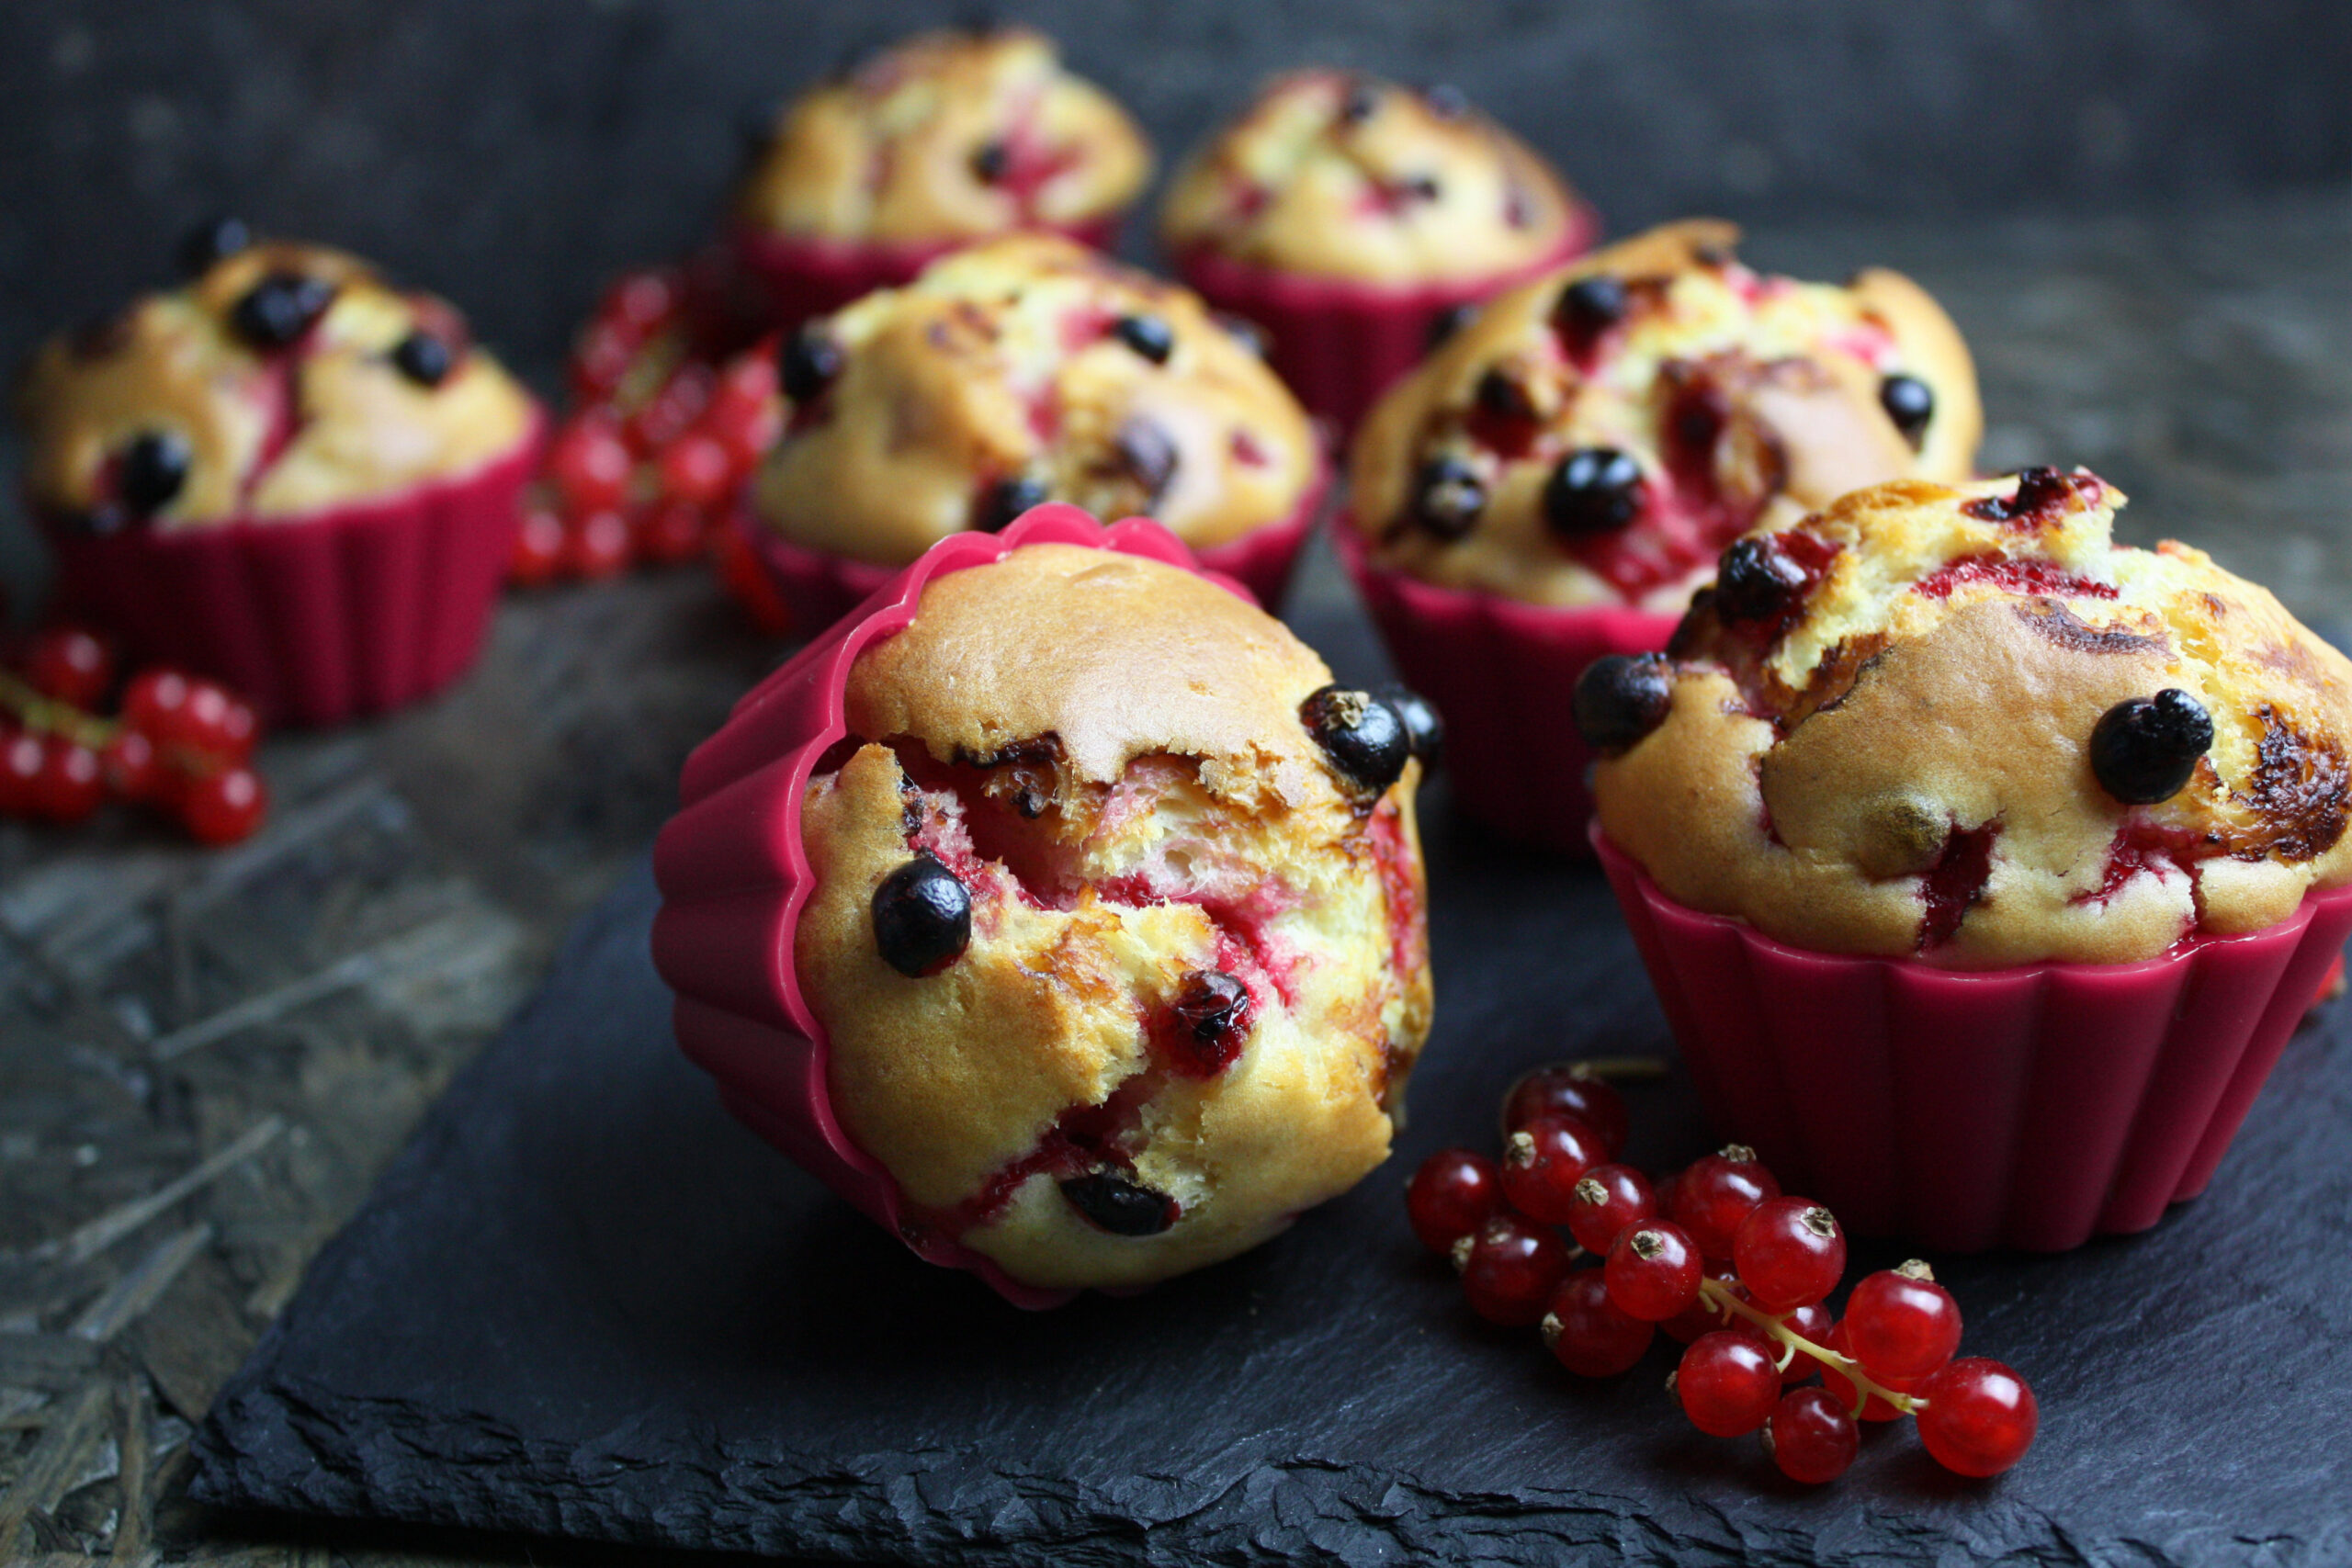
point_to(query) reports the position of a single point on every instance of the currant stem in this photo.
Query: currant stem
(1719, 1295)
(47, 715)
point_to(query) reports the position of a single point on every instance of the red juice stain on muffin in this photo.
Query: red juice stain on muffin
(2011, 575)
(1953, 884)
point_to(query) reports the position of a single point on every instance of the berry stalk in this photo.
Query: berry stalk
(1718, 1294)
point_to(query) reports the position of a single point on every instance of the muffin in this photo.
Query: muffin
(1553, 481)
(287, 473)
(1023, 371)
(1350, 217)
(1984, 864)
(947, 138)
(1077, 960)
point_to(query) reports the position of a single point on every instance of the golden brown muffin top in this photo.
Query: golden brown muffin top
(1933, 719)
(283, 380)
(1023, 371)
(948, 136)
(1330, 174)
(1594, 436)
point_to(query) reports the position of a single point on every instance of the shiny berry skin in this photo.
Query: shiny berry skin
(1790, 1252)
(697, 470)
(538, 548)
(1568, 1088)
(1448, 497)
(1424, 730)
(2143, 751)
(598, 545)
(1901, 1324)
(1811, 1436)
(1362, 735)
(1453, 1194)
(424, 358)
(1653, 1271)
(213, 241)
(1118, 1205)
(1543, 1162)
(600, 360)
(1727, 1384)
(671, 412)
(1716, 1194)
(174, 709)
(280, 309)
(152, 472)
(669, 532)
(1595, 490)
(1607, 1199)
(71, 782)
(21, 763)
(1701, 1316)
(1213, 1012)
(130, 767)
(922, 918)
(1621, 697)
(1510, 1269)
(1000, 505)
(1755, 581)
(639, 301)
(1842, 1388)
(589, 464)
(1910, 403)
(1589, 1334)
(1148, 335)
(225, 806)
(807, 363)
(1811, 1324)
(1587, 308)
(71, 664)
(1979, 1418)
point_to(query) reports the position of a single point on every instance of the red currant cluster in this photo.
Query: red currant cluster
(665, 429)
(179, 743)
(1730, 1266)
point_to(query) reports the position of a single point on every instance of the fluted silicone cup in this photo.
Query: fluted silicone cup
(2030, 1107)
(1503, 675)
(321, 620)
(1339, 342)
(802, 276)
(734, 877)
(820, 588)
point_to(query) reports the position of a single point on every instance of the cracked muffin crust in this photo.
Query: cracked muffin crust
(283, 380)
(1330, 174)
(1960, 722)
(1023, 371)
(1119, 968)
(1596, 435)
(948, 136)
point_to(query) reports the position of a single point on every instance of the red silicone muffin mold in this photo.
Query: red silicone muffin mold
(316, 619)
(1337, 342)
(801, 276)
(2030, 1107)
(819, 589)
(734, 876)
(1502, 674)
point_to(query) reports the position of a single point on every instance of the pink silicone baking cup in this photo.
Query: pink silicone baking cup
(1503, 675)
(820, 588)
(317, 619)
(803, 277)
(733, 878)
(2030, 1107)
(1337, 342)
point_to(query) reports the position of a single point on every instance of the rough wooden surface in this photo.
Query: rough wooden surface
(205, 1057)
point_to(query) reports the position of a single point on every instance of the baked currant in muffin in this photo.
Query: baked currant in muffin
(1032, 369)
(1961, 723)
(1596, 435)
(1116, 935)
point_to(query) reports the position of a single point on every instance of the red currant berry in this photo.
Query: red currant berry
(600, 361)
(1790, 1252)
(1811, 1324)
(1726, 1382)
(1702, 1316)
(1543, 1162)
(1844, 1389)
(1978, 1417)
(211, 722)
(589, 464)
(222, 808)
(71, 784)
(1607, 1199)
(1568, 1088)
(697, 470)
(640, 302)
(1714, 1194)
(1588, 1333)
(1900, 1323)
(154, 702)
(1452, 1193)
(129, 766)
(671, 412)
(71, 664)
(538, 548)
(669, 532)
(1810, 1438)
(21, 763)
(1510, 1269)
(597, 546)
(1653, 1271)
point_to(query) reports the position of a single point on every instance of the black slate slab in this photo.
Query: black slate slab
(585, 1302)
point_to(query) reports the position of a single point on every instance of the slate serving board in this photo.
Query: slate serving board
(585, 1302)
